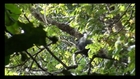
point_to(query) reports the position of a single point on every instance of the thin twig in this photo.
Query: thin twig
(35, 57)
(103, 57)
(55, 57)
(26, 17)
(90, 64)
(35, 61)
(126, 22)
(16, 65)
(80, 58)
(118, 21)
(107, 6)
(120, 16)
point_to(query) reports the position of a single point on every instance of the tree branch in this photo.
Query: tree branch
(120, 16)
(90, 64)
(64, 27)
(103, 57)
(35, 61)
(55, 57)
(35, 57)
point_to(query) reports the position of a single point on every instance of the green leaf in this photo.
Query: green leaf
(14, 29)
(14, 11)
(109, 64)
(39, 36)
(17, 43)
(13, 8)
(26, 27)
(8, 21)
(122, 8)
(22, 42)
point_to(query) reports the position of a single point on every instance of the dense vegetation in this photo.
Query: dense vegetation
(40, 39)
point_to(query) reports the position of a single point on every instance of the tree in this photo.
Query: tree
(40, 39)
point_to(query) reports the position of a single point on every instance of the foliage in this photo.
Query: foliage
(31, 45)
